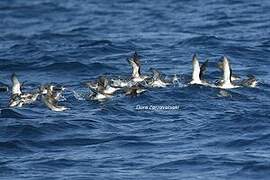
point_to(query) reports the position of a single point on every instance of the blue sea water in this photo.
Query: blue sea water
(70, 42)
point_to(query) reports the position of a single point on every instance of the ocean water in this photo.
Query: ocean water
(70, 42)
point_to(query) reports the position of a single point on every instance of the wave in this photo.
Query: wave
(182, 163)
(89, 43)
(240, 143)
(54, 36)
(70, 142)
(252, 168)
(15, 146)
(65, 66)
(22, 131)
(79, 29)
(101, 66)
(38, 7)
(137, 145)
(6, 171)
(55, 163)
(11, 113)
(200, 40)
(17, 66)
(76, 66)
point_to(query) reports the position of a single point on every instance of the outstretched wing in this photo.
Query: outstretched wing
(156, 74)
(203, 68)
(136, 65)
(230, 74)
(16, 86)
(103, 81)
(91, 85)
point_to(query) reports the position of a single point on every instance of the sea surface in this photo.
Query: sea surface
(211, 136)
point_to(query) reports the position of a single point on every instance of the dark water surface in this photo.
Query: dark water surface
(70, 42)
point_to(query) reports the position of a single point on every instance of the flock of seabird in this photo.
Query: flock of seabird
(104, 88)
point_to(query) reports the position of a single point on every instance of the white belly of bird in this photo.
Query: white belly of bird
(159, 83)
(52, 106)
(110, 90)
(197, 81)
(119, 83)
(58, 108)
(254, 84)
(227, 86)
(138, 79)
(100, 96)
(15, 103)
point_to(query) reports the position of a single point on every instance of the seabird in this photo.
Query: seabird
(101, 89)
(198, 71)
(136, 68)
(226, 81)
(156, 80)
(51, 95)
(121, 83)
(251, 81)
(135, 90)
(18, 99)
(56, 91)
(233, 76)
